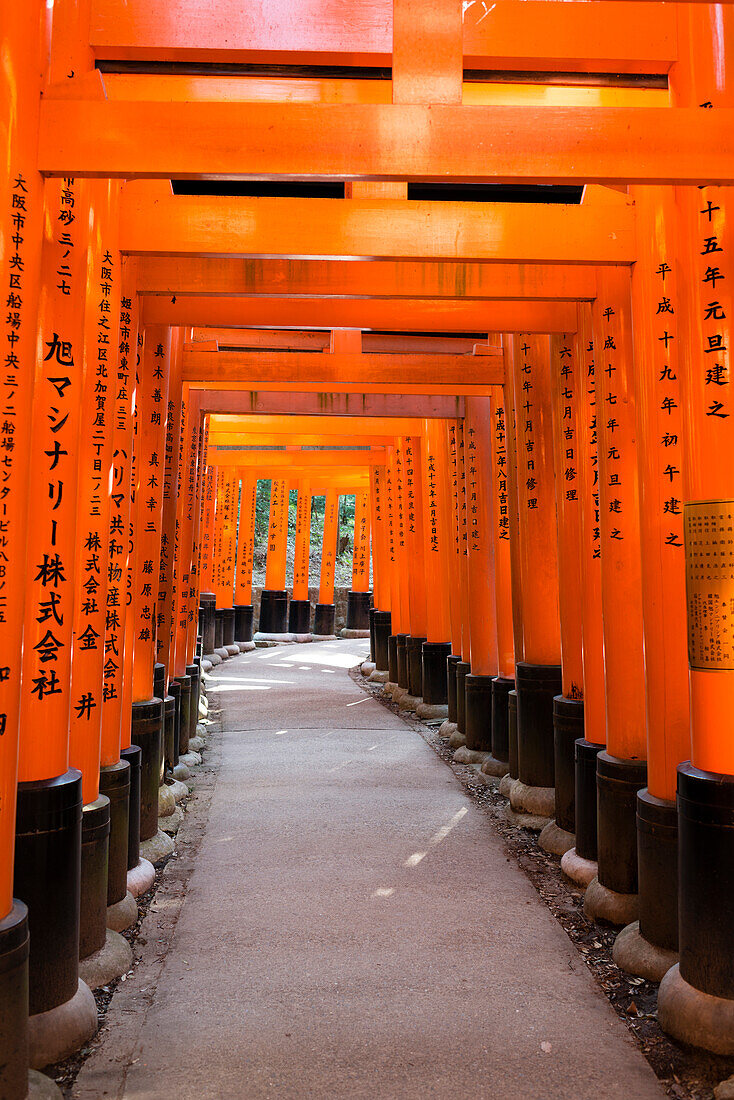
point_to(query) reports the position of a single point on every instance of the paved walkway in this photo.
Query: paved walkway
(351, 925)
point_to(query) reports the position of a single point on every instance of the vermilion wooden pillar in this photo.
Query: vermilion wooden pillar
(403, 566)
(165, 644)
(381, 615)
(47, 862)
(481, 544)
(415, 563)
(207, 597)
(245, 551)
(648, 946)
(392, 561)
(580, 862)
(299, 612)
(226, 553)
(567, 391)
(274, 598)
(696, 1000)
(459, 651)
(359, 598)
(436, 535)
(538, 674)
(147, 706)
(621, 768)
(21, 221)
(324, 615)
(504, 681)
(511, 421)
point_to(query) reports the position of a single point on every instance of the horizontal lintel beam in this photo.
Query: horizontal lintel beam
(556, 145)
(290, 403)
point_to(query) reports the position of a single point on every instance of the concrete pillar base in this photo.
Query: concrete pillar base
(181, 772)
(196, 744)
(379, 676)
(555, 840)
(112, 960)
(213, 660)
(534, 822)
(280, 639)
(178, 790)
(447, 728)
(465, 755)
(166, 801)
(41, 1087)
(157, 848)
(409, 702)
(223, 652)
(122, 914)
(579, 870)
(173, 822)
(540, 801)
(601, 903)
(696, 1018)
(323, 637)
(191, 759)
(431, 712)
(506, 784)
(233, 649)
(633, 953)
(206, 665)
(495, 767)
(348, 632)
(389, 687)
(246, 647)
(457, 739)
(61, 1031)
(141, 878)
(367, 667)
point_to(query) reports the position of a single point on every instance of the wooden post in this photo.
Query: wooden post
(415, 563)
(359, 598)
(437, 646)
(504, 681)
(245, 552)
(274, 598)
(324, 615)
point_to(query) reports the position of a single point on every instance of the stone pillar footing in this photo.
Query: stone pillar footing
(55, 1034)
(140, 878)
(122, 914)
(447, 728)
(636, 955)
(578, 869)
(602, 903)
(555, 840)
(115, 957)
(693, 1017)
(495, 767)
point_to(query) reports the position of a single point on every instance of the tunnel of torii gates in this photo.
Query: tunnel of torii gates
(529, 400)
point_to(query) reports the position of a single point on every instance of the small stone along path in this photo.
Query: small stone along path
(342, 920)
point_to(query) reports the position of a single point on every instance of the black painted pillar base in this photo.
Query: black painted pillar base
(401, 651)
(358, 610)
(382, 621)
(372, 634)
(218, 628)
(392, 659)
(93, 893)
(696, 999)
(617, 784)
(195, 673)
(207, 605)
(299, 617)
(48, 853)
(159, 681)
(323, 619)
(133, 757)
(227, 626)
(243, 613)
(501, 687)
(536, 686)
(184, 722)
(512, 750)
(657, 869)
(147, 733)
(585, 813)
(451, 663)
(171, 727)
(568, 728)
(114, 782)
(14, 1003)
(478, 712)
(435, 682)
(463, 669)
(273, 612)
(414, 657)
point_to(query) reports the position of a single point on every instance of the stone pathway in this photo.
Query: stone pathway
(345, 923)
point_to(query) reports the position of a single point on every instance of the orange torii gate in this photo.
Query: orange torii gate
(660, 434)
